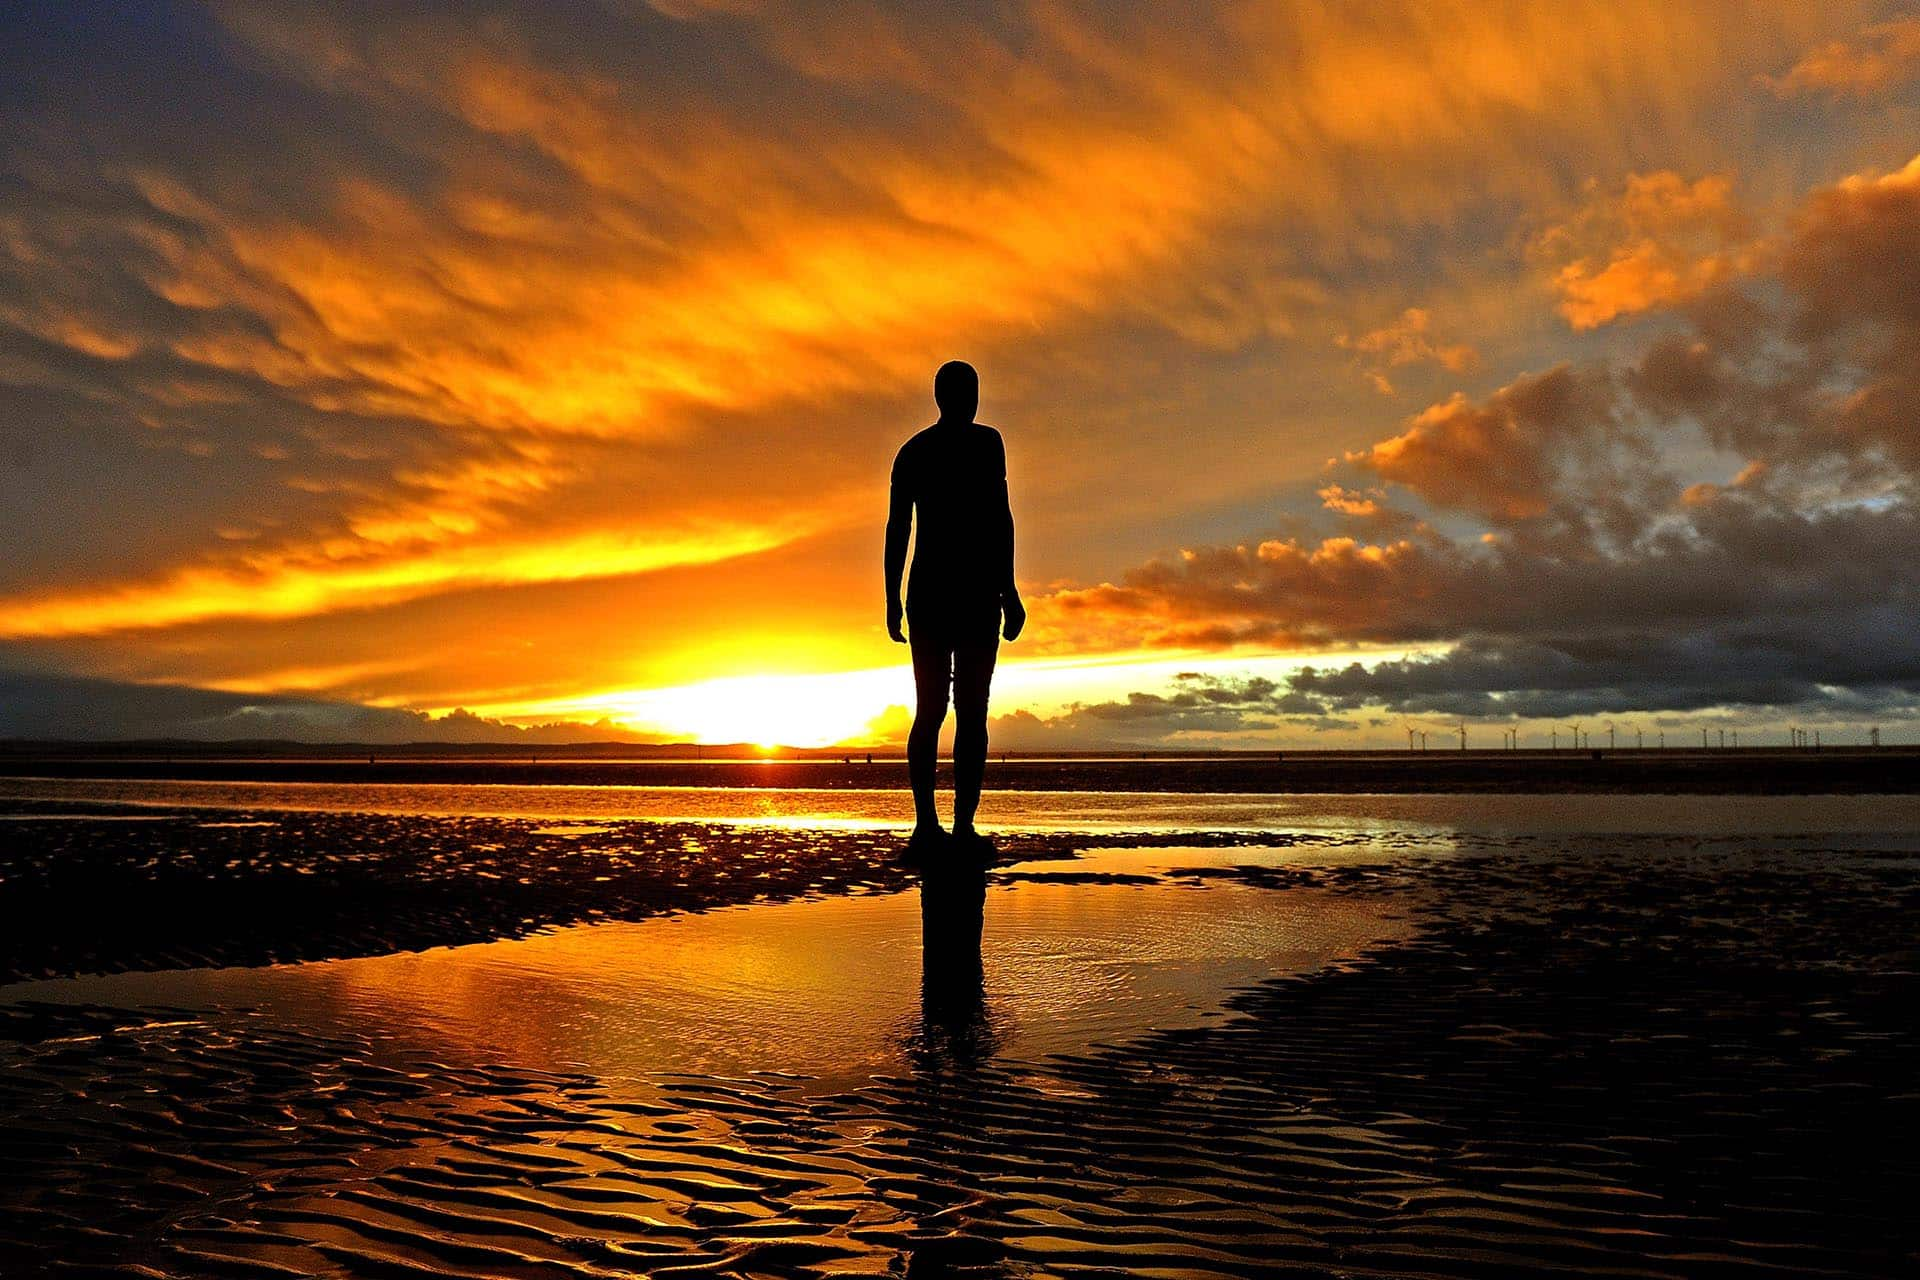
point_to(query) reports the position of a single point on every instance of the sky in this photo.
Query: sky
(530, 372)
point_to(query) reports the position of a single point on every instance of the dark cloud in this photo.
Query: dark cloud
(1565, 557)
(1196, 709)
(1814, 675)
(50, 708)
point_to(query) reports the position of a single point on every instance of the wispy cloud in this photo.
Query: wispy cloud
(1883, 56)
(1406, 340)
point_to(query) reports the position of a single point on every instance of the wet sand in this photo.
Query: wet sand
(1623, 1054)
(1053, 811)
(91, 889)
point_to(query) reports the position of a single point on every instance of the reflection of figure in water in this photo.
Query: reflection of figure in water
(954, 1028)
(952, 478)
(951, 1109)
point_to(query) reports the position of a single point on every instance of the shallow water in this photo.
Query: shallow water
(1013, 810)
(835, 989)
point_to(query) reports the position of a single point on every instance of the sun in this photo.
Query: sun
(764, 710)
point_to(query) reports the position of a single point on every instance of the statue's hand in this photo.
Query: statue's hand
(893, 622)
(1016, 616)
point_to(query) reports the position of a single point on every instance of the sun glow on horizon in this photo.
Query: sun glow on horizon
(872, 706)
(812, 710)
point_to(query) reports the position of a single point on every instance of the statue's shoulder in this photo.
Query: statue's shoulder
(915, 446)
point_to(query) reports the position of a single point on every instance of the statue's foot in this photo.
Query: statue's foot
(972, 845)
(927, 840)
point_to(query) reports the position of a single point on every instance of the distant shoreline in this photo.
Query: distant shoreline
(1743, 771)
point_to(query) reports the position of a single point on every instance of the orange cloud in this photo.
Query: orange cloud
(1660, 241)
(1408, 340)
(1503, 457)
(1349, 502)
(305, 580)
(1884, 56)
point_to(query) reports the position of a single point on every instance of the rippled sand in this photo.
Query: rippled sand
(1631, 1054)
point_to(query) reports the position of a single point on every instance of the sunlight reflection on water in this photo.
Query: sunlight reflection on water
(837, 989)
(835, 808)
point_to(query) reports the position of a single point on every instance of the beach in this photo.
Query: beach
(1392, 532)
(349, 1032)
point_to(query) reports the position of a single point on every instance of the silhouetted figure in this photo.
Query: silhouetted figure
(952, 479)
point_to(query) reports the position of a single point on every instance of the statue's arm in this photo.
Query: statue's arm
(899, 526)
(1015, 611)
